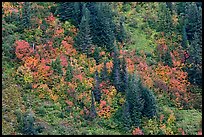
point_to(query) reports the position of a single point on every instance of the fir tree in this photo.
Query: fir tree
(150, 107)
(116, 70)
(83, 40)
(184, 43)
(96, 55)
(121, 34)
(96, 90)
(93, 110)
(165, 20)
(124, 75)
(26, 15)
(104, 74)
(69, 73)
(135, 100)
(126, 118)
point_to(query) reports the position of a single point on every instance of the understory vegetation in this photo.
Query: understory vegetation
(102, 68)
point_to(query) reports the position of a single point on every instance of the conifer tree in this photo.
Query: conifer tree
(150, 107)
(126, 118)
(165, 20)
(93, 110)
(83, 40)
(96, 90)
(116, 70)
(96, 55)
(184, 43)
(124, 75)
(104, 74)
(121, 34)
(26, 15)
(135, 100)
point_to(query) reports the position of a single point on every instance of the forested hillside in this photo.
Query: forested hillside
(102, 68)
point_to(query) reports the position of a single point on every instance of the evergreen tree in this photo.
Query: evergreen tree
(192, 20)
(103, 34)
(96, 55)
(165, 20)
(69, 73)
(195, 71)
(169, 5)
(121, 34)
(96, 90)
(126, 118)
(184, 43)
(57, 67)
(70, 11)
(194, 36)
(26, 15)
(124, 76)
(149, 102)
(104, 74)
(83, 40)
(93, 110)
(135, 100)
(116, 70)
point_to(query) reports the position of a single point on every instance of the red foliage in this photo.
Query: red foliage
(23, 49)
(63, 60)
(137, 131)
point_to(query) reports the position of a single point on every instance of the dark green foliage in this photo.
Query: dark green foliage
(26, 123)
(184, 43)
(116, 70)
(124, 75)
(195, 59)
(135, 100)
(192, 20)
(83, 40)
(56, 66)
(180, 8)
(139, 102)
(150, 106)
(170, 6)
(121, 35)
(166, 58)
(126, 118)
(93, 110)
(102, 27)
(194, 36)
(71, 11)
(96, 91)
(69, 72)
(96, 55)
(164, 20)
(26, 15)
(104, 73)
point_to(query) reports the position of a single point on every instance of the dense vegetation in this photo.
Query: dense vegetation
(111, 68)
